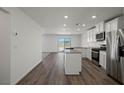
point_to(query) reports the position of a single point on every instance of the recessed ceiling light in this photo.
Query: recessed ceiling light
(64, 25)
(83, 25)
(93, 17)
(66, 17)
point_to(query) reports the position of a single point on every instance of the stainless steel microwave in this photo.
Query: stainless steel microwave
(100, 36)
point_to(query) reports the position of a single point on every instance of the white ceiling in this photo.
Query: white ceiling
(52, 18)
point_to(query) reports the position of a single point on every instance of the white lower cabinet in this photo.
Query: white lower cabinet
(86, 52)
(72, 63)
(103, 59)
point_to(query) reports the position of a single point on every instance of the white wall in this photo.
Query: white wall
(50, 42)
(75, 40)
(4, 47)
(26, 47)
(123, 10)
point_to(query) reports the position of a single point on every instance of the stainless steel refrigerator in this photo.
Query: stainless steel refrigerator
(115, 54)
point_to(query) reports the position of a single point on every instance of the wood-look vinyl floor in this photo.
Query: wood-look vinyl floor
(51, 72)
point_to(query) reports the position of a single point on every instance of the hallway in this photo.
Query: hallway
(51, 72)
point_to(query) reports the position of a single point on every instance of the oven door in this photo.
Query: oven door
(95, 57)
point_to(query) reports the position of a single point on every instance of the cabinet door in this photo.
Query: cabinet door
(94, 34)
(108, 27)
(85, 37)
(103, 59)
(101, 27)
(91, 35)
(114, 24)
(88, 35)
(97, 29)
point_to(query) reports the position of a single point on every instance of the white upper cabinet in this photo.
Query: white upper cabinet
(97, 28)
(114, 24)
(91, 35)
(84, 37)
(94, 35)
(100, 27)
(108, 27)
(88, 36)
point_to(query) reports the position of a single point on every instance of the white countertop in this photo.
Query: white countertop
(72, 51)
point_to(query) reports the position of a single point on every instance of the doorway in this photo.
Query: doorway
(64, 43)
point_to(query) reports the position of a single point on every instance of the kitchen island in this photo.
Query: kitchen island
(72, 61)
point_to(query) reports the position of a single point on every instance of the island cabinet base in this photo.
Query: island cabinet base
(72, 63)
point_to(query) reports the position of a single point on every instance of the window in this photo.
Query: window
(64, 43)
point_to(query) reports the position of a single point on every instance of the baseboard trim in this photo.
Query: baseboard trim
(29, 72)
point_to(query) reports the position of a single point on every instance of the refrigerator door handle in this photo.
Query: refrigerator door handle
(118, 49)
